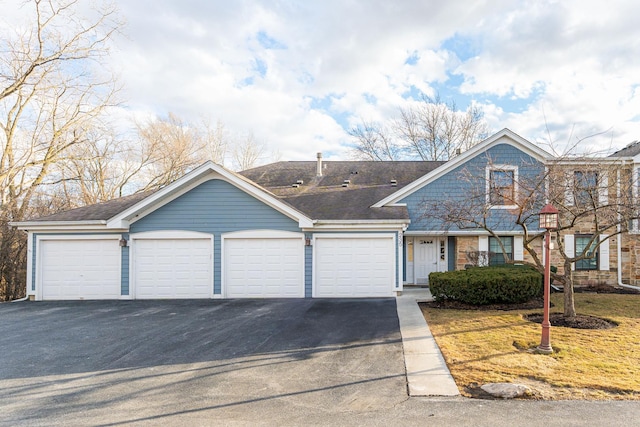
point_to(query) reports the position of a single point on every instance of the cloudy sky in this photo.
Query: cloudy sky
(298, 74)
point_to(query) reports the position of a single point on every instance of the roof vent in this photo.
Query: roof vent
(394, 183)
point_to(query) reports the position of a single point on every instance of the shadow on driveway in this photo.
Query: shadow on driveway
(165, 358)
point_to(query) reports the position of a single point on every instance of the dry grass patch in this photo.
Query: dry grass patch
(497, 346)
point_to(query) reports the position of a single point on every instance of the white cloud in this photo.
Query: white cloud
(256, 66)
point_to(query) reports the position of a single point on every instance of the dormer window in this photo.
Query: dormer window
(501, 183)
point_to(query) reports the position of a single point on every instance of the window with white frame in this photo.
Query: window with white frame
(586, 243)
(496, 254)
(502, 185)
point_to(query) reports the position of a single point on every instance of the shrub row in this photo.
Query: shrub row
(487, 285)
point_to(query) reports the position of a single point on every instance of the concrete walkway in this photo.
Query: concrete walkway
(427, 372)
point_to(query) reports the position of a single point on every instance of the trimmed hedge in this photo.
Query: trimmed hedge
(487, 285)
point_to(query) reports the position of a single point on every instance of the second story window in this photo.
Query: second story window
(502, 186)
(585, 187)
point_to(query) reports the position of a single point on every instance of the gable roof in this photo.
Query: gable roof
(630, 150)
(505, 136)
(96, 212)
(325, 198)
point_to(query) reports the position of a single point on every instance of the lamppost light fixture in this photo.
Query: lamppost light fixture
(549, 217)
(548, 221)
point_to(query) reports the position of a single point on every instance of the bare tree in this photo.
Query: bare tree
(594, 197)
(52, 91)
(429, 130)
(247, 152)
(174, 146)
(436, 130)
(375, 142)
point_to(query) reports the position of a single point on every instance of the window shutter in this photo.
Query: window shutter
(569, 189)
(603, 189)
(604, 252)
(483, 246)
(570, 248)
(518, 248)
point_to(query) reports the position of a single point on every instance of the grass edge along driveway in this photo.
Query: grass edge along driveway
(496, 346)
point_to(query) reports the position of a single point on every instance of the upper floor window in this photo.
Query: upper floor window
(582, 244)
(496, 255)
(502, 185)
(585, 187)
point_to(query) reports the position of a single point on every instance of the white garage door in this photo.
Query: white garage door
(173, 268)
(264, 267)
(354, 266)
(79, 269)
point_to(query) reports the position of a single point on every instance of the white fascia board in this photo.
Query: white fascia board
(592, 161)
(195, 178)
(505, 136)
(65, 226)
(357, 225)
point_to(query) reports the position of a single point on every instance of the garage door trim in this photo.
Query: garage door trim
(390, 236)
(262, 234)
(39, 260)
(165, 235)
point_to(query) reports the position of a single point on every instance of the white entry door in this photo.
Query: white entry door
(425, 257)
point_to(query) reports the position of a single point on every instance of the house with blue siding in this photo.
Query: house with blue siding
(312, 229)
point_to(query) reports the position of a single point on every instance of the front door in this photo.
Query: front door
(425, 258)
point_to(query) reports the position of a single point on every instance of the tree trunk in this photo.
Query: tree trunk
(569, 303)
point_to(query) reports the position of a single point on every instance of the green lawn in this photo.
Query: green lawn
(495, 346)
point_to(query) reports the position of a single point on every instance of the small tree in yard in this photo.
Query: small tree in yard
(593, 195)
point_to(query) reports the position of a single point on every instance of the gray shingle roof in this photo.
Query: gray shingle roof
(98, 212)
(630, 150)
(318, 197)
(325, 198)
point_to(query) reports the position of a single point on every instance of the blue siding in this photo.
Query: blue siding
(308, 271)
(124, 268)
(466, 181)
(215, 207)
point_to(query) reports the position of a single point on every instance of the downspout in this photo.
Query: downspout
(619, 241)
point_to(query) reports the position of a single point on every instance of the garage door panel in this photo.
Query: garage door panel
(263, 267)
(79, 269)
(354, 267)
(173, 268)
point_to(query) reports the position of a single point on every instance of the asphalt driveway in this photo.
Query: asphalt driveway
(152, 361)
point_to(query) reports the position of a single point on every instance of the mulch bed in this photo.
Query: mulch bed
(578, 322)
(604, 289)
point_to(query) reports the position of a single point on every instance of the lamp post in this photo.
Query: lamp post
(548, 221)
